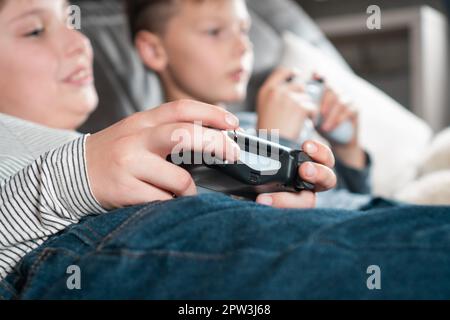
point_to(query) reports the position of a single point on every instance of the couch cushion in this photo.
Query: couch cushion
(123, 84)
(285, 15)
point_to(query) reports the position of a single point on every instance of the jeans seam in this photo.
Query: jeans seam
(93, 231)
(136, 217)
(194, 255)
(85, 236)
(41, 258)
(68, 253)
(124, 224)
(16, 274)
(8, 289)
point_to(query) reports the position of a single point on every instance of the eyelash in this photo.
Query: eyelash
(217, 32)
(214, 32)
(35, 33)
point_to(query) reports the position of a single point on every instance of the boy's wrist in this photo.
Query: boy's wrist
(352, 156)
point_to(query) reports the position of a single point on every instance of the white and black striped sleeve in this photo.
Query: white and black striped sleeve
(42, 199)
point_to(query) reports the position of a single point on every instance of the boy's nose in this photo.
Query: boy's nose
(77, 44)
(243, 45)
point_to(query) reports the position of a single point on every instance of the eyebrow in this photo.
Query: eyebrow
(26, 14)
(36, 11)
(247, 20)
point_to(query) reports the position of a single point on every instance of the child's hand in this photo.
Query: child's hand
(283, 106)
(334, 112)
(127, 161)
(319, 173)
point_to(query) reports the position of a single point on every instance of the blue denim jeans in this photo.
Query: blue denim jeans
(213, 247)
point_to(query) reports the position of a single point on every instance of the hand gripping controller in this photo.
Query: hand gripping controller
(263, 167)
(343, 134)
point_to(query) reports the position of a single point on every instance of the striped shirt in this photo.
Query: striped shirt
(44, 186)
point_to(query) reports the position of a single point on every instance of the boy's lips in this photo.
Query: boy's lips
(238, 75)
(82, 76)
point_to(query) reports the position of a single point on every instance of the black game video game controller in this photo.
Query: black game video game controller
(263, 167)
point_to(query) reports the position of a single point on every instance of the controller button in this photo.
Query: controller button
(254, 177)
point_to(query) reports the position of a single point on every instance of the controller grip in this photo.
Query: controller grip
(299, 184)
(343, 134)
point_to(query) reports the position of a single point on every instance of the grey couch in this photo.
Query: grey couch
(126, 86)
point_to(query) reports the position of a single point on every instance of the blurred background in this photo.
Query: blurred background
(407, 58)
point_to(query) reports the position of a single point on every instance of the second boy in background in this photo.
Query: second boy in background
(201, 50)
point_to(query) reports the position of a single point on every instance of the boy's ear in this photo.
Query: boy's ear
(151, 50)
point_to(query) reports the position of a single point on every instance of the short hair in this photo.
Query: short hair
(151, 15)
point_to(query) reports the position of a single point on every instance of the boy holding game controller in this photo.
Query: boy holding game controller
(201, 50)
(52, 177)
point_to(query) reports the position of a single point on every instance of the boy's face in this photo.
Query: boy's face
(45, 67)
(209, 54)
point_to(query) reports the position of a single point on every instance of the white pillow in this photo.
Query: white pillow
(394, 136)
(431, 189)
(437, 156)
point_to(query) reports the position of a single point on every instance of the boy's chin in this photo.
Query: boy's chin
(85, 103)
(234, 97)
(79, 112)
